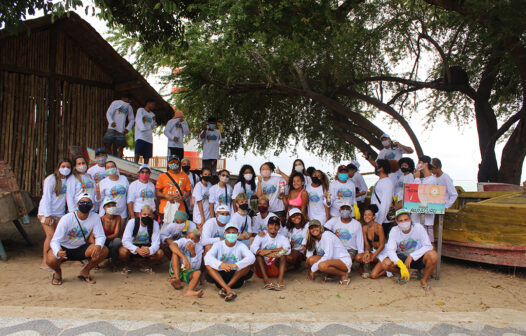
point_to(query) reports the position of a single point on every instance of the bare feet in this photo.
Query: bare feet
(176, 283)
(198, 294)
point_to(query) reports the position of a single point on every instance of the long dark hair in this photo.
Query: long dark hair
(324, 180)
(74, 171)
(58, 186)
(294, 165)
(270, 165)
(290, 226)
(311, 241)
(292, 176)
(241, 179)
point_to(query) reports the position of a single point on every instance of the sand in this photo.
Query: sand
(463, 287)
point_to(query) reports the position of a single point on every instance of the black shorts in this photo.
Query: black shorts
(227, 276)
(143, 148)
(113, 137)
(176, 151)
(416, 264)
(78, 253)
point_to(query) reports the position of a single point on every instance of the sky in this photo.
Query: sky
(456, 147)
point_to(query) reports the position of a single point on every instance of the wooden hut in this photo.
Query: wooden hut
(57, 80)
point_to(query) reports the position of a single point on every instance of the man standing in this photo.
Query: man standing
(445, 180)
(144, 125)
(117, 113)
(211, 135)
(175, 130)
(382, 195)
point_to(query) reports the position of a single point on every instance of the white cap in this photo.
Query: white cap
(85, 195)
(145, 166)
(231, 225)
(108, 200)
(294, 211)
(223, 208)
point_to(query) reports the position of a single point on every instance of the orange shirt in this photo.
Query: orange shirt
(166, 186)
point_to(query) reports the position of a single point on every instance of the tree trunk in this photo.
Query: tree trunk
(486, 128)
(513, 155)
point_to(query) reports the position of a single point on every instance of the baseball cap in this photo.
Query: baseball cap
(145, 166)
(274, 220)
(294, 211)
(173, 157)
(180, 215)
(99, 151)
(85, 195)
(402, 212)
(109, 200)
(385, 135)
(231, 225)
(223, 208)
(342, 168)
(314, 222)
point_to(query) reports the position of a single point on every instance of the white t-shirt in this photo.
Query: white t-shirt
(330, 247)
(98, 173)
(75, 189)
(212, 232)
(118, 112)
(270, 189)
(211, 144)
(176, 128)
(244, 223)
(116, 190)
(238, 254)
(391, 153)
(195, 262)
(382, 196)
(395, 177)
(69, 234)
(298, 237)
(51, 204)
(317, 203)
(415, 243)
(218, 196)
(350, 234)
(451, 192)
(238, 189)
(260, 224)
(142, 237)
(267, 242)
(341, 192)
(175, 230)
(429, 219)
(404, 179)
(359, 182)
(201, 193)
(144, 125)
(140, 194)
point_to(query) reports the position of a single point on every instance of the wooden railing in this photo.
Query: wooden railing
(159, 162)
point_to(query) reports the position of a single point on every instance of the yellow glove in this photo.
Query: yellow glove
(395, 199)
(404, 272)
(356, 212)
(220, 127)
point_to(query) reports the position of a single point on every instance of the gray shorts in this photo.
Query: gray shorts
(114, 137)
(352, 252)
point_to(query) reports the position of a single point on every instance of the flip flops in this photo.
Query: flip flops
(58, 281)
(279, 287)
(87, 279)
(230, 296)
(345, 282)
(222, 293)
(427, 288)
(401, 281)
(268, 286)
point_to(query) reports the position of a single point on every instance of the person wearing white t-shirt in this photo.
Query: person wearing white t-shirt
(423, 175)
(144, 125)
(392, 150)
(271, 250)
(298, 166)
(318, 190)
(228, 263)
(246, 184)
(114, 186)
(71, 240)
(98, 171)
(214, 228)
(211, 135)
(296, 231)
(243, 220)
(349, 231)
(175, 230)
(342, 189)
(382, 194)
(201, 197)
(79, 183)
(359, 182)
(445, 180)
(326, 253)
(274, 188)
(409, 247)
(185, 265)
(141, 192)
(221, 193)
(175, 130)
(407, 167)
(117, 113)
(261, 220)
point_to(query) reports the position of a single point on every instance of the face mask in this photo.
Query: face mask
(343, 177)
(248, 177)
(101, 160)
(231, 237)
(224, 219)
(85, 207)
(206, 178)
(262, 208)
(224, 179)
(265, 173)
(147, 220)
(299, 168)
(404, 226)
(144, 177)
(212, 127)
(377, 172)
(82, 168)
(64, 171)
(386, 143)
(186, 169)
(111, 210)
(173, 166)
(243, 207)
(345, 213)
(316, 180)
(111, 171)
(405, 170)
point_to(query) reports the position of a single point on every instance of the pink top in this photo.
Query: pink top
(296, 202)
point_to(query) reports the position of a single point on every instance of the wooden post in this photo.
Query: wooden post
(439, 244)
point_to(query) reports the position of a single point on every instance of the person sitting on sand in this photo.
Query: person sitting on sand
(141, 240)
(375, 251)
(326, 253)
(214, 228)
(271, 250)
(70, 240)
(111, 223)
(409, 247)
(185, 265)
(229, 263)
(297, 234)
(178, 229)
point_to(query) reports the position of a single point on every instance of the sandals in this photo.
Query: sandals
(327, 278)
(279, 287)
(269, 286)
(86, 279)
(427, 288)
(366, 275)
(126, 270)
(230, 296)
(345, 282)
(401, 282)
(148, 270)
(56, 281)
(222, 293)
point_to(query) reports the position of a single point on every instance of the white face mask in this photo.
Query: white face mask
(64, 171)
(298, 168)
(111, 210)
(265, 173)
(82, 168)
(404, 226)
(248, 177)
(385, 143)
(345, 213)
(224, 179)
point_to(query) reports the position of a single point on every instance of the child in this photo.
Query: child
(185, 265)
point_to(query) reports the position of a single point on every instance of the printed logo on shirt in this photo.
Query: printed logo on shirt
(296, 241)
(147, 120)
(178, 125)
(219, 235)
(320, 251)
(186, 253)
(117, 192)
(343, 234)
(344, 193)
(146, 194)
(408, 246)
(270, 246)
(141, 238)
(206, 196)
(100, 176)
(223, 199)
(229, 258)
(269, 190)
(62, 193)
(314, 197)
(87, 186)
(211, 137)
(76, 235)
(390, 155)
(123, 110)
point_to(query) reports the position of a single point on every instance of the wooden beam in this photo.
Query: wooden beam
(129, 85)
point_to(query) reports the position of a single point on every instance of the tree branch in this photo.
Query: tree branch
(442, 55)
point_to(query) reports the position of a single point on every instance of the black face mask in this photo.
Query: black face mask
(85, 208)
(316, 180)
(405, 170)
(147, 220)
(186, 169)
(377, 172)
(243, 207)
(206, 178)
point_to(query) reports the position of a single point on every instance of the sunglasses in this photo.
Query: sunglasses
(85, 203)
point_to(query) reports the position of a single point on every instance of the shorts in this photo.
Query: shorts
(114, 137)
(78, 253)
(227, 276)
(382, 255)
(176, 151)
(143, 148)
(184, 275)
(352, 252)
(416, 264)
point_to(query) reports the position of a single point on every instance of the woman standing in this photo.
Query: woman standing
(221, 193)
(114, 186)
(79, 183)
(246, 184)
(141, 192)
(53, 203)
(297, 197)
(273, 188)
(317, 190)
(201, 196)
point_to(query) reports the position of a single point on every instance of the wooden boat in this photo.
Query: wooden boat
(487, 226)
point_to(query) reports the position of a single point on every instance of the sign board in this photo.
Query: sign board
(424, 198)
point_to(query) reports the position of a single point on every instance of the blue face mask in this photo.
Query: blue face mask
(111, 171)
(224, 219)
(212, 126)
(231, 237)
(343, 177)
